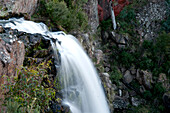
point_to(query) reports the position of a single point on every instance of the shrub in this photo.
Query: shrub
(65, 14)
(115, 75)
(28, 88)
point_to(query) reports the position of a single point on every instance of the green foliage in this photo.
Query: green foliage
(166, 24)
(106, 25)
(28, 88)
(159, 90)
(150, 56)
(147, 94)
(14, 107)
(67, 14)
(139, 109)
(127, 20)
(115, 76)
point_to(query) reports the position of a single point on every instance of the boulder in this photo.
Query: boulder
(165, 82)
(145, 78)
(127, 77)
(99, 55)
(120, 103)
(18, 6)
(136, 102)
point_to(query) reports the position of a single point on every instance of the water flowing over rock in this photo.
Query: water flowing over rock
(82, 89)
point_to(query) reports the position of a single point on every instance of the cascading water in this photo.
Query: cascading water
(82, 90)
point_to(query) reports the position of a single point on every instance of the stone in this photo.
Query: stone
(105, 75)
(166, 100)
(11, 60)
(99, 55)
(18, 6)
(1, 29)
(145, 78)
(136, 102)
(91, 9)
(165, 82)
(127, 77)
(133, 71)
(120, 103)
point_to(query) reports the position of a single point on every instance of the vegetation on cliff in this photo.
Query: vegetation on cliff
(67, 15)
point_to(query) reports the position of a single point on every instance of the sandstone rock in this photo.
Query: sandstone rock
(127, 77)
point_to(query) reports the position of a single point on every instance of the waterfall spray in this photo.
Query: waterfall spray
(81, 87)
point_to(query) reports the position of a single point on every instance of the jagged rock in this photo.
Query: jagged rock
(133, 71)
(120, 103)
(136, 102)
(163, 79)
(109, 88)
(91, 10)
(132, 93)
(145, 78)
(99, 55)
(150, 18)
(11, 58)
(18, 6)
(127, 77)
(166, 100)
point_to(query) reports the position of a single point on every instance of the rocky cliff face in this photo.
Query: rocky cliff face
(18, 6)
(12, 54)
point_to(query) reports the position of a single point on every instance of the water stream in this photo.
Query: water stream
(82, 90)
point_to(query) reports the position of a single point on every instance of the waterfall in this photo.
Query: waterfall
(112, 15)
(81, 87)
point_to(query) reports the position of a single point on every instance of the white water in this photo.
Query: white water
(82, 89)
(112, 15)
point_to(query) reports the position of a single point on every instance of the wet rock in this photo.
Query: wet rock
(108, 88)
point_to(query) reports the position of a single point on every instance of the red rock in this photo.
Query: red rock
(104, 10)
